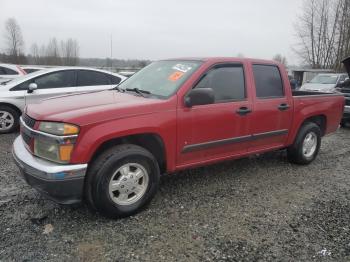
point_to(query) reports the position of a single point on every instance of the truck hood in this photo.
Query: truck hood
(346, 63)
(91, 107)
(318, 87)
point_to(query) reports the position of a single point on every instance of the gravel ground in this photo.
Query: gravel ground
(255, 209)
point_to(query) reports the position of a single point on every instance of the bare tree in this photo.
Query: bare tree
(343, 34)
(52, 53)
(14, 40)
(281, 59)
(34, 51)
(65, 53)
(70, 52)
(318, 32)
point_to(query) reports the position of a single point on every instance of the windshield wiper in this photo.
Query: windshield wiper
(139, 91)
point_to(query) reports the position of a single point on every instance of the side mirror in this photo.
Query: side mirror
(200, 96)
(32, 87)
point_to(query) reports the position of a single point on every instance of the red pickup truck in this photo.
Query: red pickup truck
(110, 147)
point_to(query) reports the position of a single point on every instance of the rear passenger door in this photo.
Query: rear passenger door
(88, 80)
(272, 114)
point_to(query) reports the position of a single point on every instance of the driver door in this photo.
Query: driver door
(220, 130)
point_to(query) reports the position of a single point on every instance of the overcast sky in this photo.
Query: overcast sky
(156, 29)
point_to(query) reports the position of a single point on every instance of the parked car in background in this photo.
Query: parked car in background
(15, 94)
(345, 89)
(110, 148)
(9, 71)
(31, 69)
(324, 82)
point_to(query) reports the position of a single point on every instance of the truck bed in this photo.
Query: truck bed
(312, 103)
(312, 93)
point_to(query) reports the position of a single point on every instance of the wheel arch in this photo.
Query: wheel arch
(320, 120)
(150, 141)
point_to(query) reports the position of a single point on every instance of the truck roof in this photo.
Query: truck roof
(225, 59)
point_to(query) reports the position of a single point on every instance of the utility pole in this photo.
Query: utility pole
(111, 52)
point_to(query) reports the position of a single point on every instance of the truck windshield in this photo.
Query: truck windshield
(161, 78)
(324, 79)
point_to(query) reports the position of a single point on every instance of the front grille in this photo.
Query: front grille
(26, 138)
(28, 120)
(347, 102)
(345, 90)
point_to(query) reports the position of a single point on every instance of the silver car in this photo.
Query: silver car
(32, 88)
(324, 82)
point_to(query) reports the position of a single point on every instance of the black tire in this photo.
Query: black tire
(295, 151)
(14, 114)
(101, 172)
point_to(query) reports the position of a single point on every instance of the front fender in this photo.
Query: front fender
(93, 136)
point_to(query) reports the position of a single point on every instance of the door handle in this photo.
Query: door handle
(283, 107)
(242, 111)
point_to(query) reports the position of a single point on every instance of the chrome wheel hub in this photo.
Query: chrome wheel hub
(128, 184)
(309, 144)
(6, 120)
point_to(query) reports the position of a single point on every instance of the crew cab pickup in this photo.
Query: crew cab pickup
(109, 148)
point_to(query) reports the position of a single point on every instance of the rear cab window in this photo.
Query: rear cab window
(268, 81)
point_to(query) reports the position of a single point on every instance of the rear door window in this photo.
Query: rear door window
(115, 80)
(92, 78)
(268, 81)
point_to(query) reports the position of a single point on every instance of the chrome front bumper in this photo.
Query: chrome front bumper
(347, 109)
(61, 183)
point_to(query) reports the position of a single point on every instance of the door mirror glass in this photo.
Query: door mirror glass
(32, 87)
(200, 96)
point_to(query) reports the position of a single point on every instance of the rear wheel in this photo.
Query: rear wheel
(9, 119)
(306, 145)
(122, 181)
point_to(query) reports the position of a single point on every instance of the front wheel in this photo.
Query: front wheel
(122, 181)
(306, 145)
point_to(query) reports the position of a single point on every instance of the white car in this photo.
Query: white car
(324, 83)
(8, 71)
(15, 94)
(31, 69)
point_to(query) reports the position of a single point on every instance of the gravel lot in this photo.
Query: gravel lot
(259, 208)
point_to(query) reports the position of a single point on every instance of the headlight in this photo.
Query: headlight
(59, 129)
(58, 149)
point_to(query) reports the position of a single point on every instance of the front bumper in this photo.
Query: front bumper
(61, 183)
